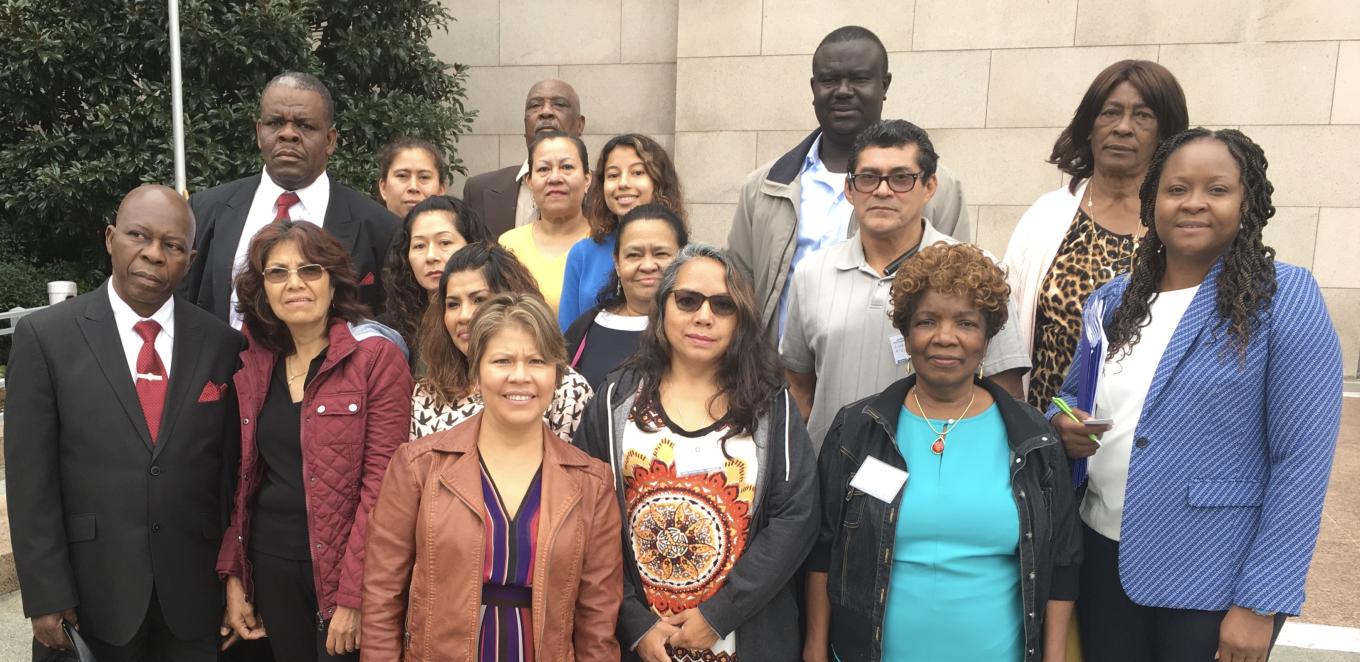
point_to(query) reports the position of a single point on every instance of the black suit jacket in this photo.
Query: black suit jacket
(494, 195)
(362, 225)
(99, 514)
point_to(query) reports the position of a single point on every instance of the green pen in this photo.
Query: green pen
(1062, 406)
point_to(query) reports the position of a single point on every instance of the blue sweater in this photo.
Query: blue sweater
(589, 266)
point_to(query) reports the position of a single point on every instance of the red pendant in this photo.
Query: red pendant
(938, 446)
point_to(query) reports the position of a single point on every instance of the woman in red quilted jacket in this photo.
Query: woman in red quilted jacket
(324, 404)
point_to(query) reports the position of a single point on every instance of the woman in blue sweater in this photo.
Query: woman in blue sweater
(633, 170)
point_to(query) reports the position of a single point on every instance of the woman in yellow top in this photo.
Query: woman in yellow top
(559, 173)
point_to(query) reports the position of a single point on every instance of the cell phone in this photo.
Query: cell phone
(1099, 421)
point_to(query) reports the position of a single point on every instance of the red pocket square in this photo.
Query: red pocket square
(212, 392)
(366, 280)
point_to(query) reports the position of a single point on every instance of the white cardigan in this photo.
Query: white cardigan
(1031, 250)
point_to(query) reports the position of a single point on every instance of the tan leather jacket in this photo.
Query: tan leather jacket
(423, 567)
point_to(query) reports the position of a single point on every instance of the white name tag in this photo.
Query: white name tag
(879, 479)
(898, 344)
(693, 456)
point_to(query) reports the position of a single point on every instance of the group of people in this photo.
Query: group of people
(538, 422)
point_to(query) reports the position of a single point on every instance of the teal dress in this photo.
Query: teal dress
(954, 592)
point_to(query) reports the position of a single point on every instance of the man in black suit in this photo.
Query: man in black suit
(120, 441)
(501, 198)
(296, 135)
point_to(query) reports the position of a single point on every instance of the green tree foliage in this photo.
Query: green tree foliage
(86, 110)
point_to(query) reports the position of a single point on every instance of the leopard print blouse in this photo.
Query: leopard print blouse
(1088, 257)
(429, 415)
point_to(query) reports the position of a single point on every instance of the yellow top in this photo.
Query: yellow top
(548, 271)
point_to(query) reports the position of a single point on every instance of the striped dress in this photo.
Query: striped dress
(506, 633)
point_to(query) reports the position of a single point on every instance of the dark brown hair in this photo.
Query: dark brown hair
(448, 373)
(957, 270)
(748, 373)
(391, 150)
(317, 247)
(406, 300)
(665, 183)
(1246, 285)
(1160, 91)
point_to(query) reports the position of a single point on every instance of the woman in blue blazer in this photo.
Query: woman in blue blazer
(1223, 383)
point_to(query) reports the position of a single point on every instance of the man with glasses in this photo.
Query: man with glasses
(796, 204)
(838, 344)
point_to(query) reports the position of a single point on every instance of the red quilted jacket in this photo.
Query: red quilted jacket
(356, 411)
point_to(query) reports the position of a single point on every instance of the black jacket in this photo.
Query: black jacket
(363, 226)
(758, 598)
(858, 531)
(100, 515)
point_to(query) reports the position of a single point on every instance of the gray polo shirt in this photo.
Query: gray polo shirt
(838, 328)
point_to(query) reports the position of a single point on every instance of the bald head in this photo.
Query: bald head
(150, 246)
(552, 105)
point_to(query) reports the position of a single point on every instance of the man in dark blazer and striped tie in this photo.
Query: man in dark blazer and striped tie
(120, 438)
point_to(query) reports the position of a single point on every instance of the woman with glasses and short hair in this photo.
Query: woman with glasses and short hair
(715, 475)
(323, 401)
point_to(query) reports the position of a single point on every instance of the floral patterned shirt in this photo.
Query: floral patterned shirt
(688, 498)
(429, 415)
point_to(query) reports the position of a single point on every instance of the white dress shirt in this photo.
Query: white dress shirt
(124, 317)
(310, 207)
(526, 211)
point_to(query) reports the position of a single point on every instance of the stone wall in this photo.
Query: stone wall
(724, 84)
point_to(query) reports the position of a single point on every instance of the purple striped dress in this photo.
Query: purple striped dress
(506, 633)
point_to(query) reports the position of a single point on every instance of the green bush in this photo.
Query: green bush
(86, 114)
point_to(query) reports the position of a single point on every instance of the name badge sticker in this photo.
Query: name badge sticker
(694, 456)
(879, 479)
(898, 345)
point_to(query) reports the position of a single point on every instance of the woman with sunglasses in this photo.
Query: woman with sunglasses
(446, 394)
(715, 475)
(323, 407)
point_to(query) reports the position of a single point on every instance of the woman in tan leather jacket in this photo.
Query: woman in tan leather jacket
(494, 539)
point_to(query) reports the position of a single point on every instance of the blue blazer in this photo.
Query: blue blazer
(1231, 454)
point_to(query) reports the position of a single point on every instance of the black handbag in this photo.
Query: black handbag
(78, 652)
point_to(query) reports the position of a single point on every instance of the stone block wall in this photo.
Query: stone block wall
(724, 84)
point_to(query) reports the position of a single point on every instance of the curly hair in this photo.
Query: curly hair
(406, 300)
(1247, 283)
(448, 373)
(1160, 91)
(748, 372)
(665, 183)
(958, 270)
(317, 247)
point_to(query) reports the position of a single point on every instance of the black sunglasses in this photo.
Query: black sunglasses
(689, 301)
(308, 272)
(898, 182)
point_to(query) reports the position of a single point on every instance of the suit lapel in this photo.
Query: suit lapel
(183, 370)
(339, 221)
(1197, 317)
(230, 226)
(101, 334)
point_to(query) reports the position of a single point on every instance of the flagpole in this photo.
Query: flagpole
(177, 99)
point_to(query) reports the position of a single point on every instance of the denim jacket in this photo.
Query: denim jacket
(857, 532)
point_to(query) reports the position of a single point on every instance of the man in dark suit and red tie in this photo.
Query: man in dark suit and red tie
(120, 437)
(296, 136)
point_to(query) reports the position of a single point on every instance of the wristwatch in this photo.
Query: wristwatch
(1260, 612)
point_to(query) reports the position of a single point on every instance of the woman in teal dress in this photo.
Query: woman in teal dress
(948, 527)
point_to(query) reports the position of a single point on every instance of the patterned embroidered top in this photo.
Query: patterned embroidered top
(428, 416)
(688, 513)
(1088, 257)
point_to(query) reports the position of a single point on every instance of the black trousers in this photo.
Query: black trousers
(285, 597)
(1115, 629)
(153, 642)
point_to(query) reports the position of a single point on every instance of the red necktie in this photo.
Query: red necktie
(150, 378)
(281, 206)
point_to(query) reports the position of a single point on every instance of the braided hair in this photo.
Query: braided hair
(1247, 283)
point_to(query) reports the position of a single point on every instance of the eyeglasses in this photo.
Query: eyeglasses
(307, 272)
(689, 301)
(898, 182)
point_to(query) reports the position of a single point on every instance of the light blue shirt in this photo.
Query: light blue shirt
(823, 216)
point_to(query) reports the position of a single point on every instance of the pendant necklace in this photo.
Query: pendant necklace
(938, 446)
